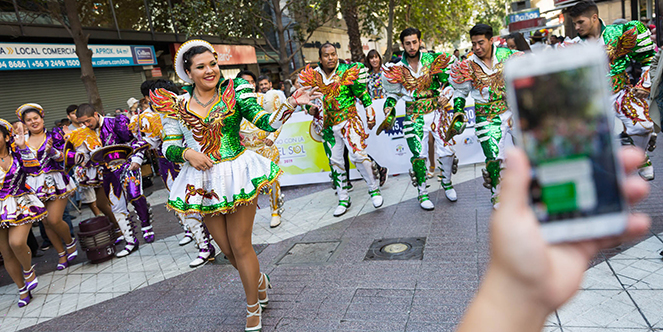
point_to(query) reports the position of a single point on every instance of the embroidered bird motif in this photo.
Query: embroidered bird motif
(402, 75)
(313, 78)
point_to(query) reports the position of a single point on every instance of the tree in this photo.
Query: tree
(67, 14)
(491, 12)
(349, 9)
(262, 23)
(442, 21)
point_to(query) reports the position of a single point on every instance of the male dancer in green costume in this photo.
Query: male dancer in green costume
(623, 42)
(480, 76)
(419, 79)
(341, 84)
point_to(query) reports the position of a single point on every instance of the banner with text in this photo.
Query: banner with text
(24, 56)
(303, 160)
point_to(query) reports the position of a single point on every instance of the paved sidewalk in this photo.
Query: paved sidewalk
(322, 281)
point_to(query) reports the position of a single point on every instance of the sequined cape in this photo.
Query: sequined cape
(626, 42)
(421, 89)
(346, 83)
(217, 134)
(485, 85)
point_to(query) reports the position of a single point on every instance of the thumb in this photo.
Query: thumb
(515, 182)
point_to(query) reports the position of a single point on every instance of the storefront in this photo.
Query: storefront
(49, 74)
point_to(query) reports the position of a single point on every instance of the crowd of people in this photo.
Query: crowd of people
(215, 146)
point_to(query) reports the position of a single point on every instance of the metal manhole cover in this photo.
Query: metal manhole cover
(396, 249)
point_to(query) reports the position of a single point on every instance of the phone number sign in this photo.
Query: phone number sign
(23, 56)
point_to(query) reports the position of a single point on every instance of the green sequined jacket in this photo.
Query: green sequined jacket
(419, 89)
(626, 42)
(485, 85)
(217, 134)
(347, 83)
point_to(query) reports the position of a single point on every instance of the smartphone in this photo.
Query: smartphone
(563, 119)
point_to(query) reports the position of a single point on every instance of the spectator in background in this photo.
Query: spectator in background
(133, 105)
(248, 75)
(537, 44)
(264, 83)
(71, 115)
(64, 123)
(373, 63)
(119, 111)
(516, 41)
(457, 53)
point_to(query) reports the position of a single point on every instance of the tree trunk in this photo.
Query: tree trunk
(84, 55)
(284, 62)
(390, 32)
(349, 10)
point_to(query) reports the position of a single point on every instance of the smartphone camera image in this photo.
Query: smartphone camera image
(564, 123)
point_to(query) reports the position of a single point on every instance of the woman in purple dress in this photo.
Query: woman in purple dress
(51, 184)
(19, 208)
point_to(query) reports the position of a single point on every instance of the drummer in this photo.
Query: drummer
(121, 182)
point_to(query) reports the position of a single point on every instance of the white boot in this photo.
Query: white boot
(131, 242)
(343, 206)
(447, 167)
(366, 169)
(376, 198)
(424, 201)
(186, 239)
(276, 221)
(207, 251)
(647, 172)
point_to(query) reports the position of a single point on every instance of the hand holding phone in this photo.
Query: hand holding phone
(564, 122)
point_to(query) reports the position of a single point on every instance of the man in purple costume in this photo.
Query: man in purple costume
(122, 183)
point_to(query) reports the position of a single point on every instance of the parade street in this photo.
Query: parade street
(326, 278)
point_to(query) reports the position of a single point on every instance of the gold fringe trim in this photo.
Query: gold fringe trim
(54, 197)
(29, 220)
(227, 210)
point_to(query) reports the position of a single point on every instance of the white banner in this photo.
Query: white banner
(303, 160)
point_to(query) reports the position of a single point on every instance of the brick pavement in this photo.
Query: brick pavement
(343, 292)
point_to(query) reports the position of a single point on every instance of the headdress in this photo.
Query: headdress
(29, 106)
(179, 56)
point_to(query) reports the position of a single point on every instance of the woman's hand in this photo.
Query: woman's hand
(198, 160)
(20, 138)
(305, 96)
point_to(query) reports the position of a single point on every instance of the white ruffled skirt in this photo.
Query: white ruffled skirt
(222, 188)
(52, 185)
(20, 210)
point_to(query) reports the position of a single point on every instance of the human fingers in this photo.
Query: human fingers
(631, 158)
(635, 189)
(515, 182)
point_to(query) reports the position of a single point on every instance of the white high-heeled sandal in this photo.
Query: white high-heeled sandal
(250, 314)
(264, 278)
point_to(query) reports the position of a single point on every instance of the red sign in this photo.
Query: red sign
(533, 23)
(563, 2)
(230, 54)
(156, 72)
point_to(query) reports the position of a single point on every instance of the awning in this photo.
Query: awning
(564, 5)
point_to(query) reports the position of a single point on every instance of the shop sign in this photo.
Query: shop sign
(22, 56)
(533, 23)
(523, 16)
(156, 72)
(564, 2)
(231, 54)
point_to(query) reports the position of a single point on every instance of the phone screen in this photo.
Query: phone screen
(567, 135)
